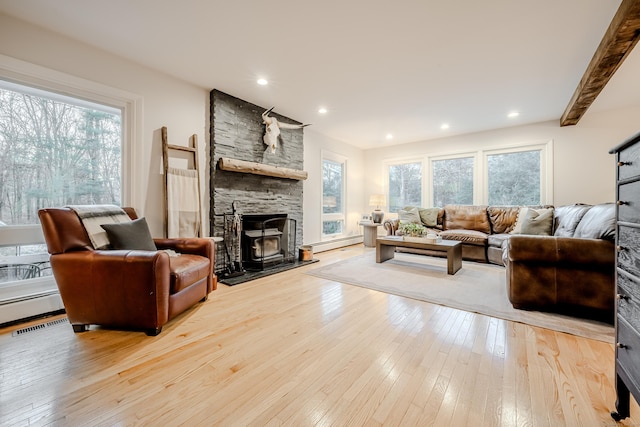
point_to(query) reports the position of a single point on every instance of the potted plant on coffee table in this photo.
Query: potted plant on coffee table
(412, 231)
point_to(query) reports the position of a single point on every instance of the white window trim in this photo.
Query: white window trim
(480, 170)
(131, 105)
(546, 168)
(338, 216)
(401, 161)
(476, 175)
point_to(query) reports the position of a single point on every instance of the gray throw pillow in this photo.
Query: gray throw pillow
(538, 222)
(132, 235)
(409, 216)
(598, 223)
(429, 216)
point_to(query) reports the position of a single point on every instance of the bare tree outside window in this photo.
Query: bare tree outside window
(405, 185)
(452, 181)
(53, 153)
(514, 178)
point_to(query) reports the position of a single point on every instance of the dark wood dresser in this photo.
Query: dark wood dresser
(627, 274)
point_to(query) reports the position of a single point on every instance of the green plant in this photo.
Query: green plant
(412, 229)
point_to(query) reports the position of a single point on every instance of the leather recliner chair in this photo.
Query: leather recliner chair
(125, 289)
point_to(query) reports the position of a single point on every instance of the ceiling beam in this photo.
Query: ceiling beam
(621, 36)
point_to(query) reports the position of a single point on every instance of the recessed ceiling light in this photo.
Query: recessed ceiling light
(389, 136)
(513, 114)
(263, 82)
(444, 126)
(322, 110)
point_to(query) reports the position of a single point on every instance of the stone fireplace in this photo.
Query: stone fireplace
(269, 208)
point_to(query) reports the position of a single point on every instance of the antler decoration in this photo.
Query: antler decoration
(272, 129)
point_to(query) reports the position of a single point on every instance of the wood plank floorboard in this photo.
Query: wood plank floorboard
(296, 350)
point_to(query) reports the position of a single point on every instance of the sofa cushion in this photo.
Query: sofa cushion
(469, 237)
(186, 270)
(502, 218)
(467, 217)
(409, 215)
(599, 222)
(527, 214)
(429, 216)
(131, 235)
(538, 222)
(567, 219)
(496, 240)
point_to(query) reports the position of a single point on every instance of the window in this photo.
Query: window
(514, 178)
(521, 174)
(452, 181)
(405, 185)
(28, 179)
(333, 203)
(55, 151)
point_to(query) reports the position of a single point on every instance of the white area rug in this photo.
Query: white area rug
(479, 288)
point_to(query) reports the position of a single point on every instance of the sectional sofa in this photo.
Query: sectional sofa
(556, 258)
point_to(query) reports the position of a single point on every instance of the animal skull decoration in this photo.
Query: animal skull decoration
(272, 129)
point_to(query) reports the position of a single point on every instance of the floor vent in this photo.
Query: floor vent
(39, 327)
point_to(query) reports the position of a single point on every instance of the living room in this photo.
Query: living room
(582, 170)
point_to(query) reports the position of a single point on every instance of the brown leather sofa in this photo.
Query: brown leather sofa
(571, 271)
(481, 229)
(125, 289)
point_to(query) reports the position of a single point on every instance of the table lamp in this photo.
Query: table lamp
(377, 200)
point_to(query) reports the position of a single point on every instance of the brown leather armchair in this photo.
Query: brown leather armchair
(128, 289)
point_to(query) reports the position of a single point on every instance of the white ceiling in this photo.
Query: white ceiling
(379, 67)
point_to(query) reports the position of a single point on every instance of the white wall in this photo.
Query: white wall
(583, 172)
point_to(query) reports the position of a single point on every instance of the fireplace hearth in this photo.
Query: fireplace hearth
(267, 240)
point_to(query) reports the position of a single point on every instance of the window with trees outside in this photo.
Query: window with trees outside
(452, 181)
(333, 203)
(509, 176)
(405, 185)
(54, 151)
(514, 178)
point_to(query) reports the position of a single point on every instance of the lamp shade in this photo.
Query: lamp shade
(377, 200)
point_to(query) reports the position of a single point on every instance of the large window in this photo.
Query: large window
(333, 189)
(405, 185)
(521, 174)
(55, 151)
(514, 178)
(452, 181)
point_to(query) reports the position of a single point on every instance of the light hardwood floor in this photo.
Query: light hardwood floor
(293, 349)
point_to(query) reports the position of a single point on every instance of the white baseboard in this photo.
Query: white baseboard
(29, 308)
(337, 243)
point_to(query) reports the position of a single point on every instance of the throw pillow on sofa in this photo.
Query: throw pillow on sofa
(534, 221)
(407, 216)
(429, 216)
(131, 235)
(599, 222)
(538, 222)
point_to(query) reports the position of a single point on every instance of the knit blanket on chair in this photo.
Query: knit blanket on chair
(93, 216)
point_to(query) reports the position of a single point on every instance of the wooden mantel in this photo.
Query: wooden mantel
(234, 165)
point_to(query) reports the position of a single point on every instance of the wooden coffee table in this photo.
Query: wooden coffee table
(386, 247)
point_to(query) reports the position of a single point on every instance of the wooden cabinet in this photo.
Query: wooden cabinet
(627, 274)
